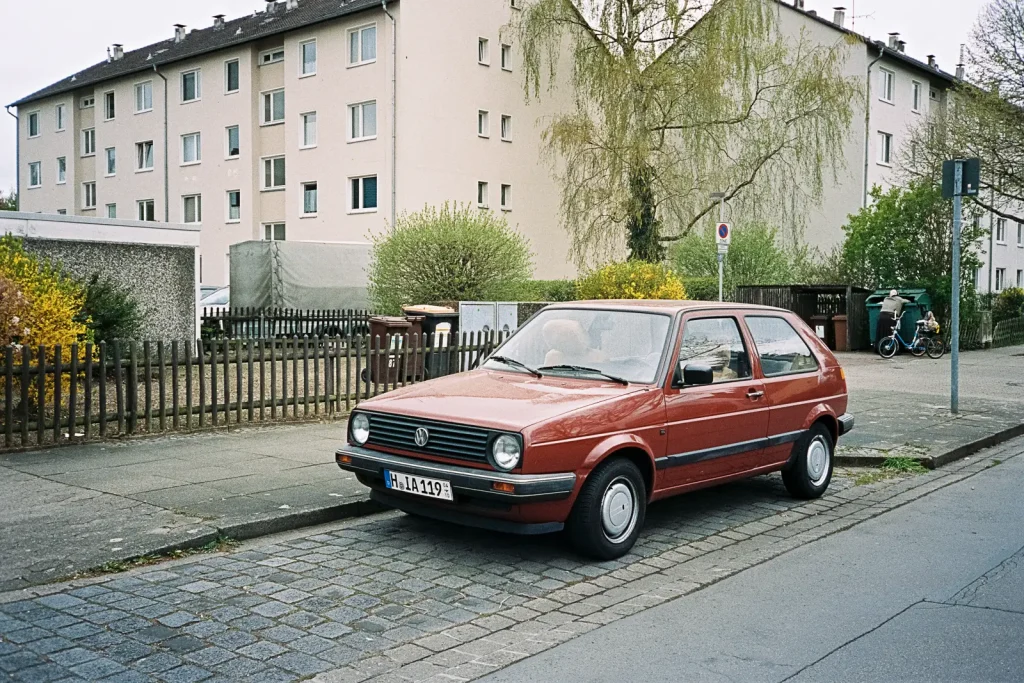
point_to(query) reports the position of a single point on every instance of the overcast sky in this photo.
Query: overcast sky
(43, 41)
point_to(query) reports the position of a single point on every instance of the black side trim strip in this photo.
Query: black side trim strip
(691, 457)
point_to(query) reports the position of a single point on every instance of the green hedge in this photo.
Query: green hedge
(701, 288)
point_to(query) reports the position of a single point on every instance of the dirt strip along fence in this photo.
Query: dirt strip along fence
(52, 396)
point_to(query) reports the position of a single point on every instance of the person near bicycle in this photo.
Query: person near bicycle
(892, 308)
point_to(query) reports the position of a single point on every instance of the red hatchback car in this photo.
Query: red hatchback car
(594, 409)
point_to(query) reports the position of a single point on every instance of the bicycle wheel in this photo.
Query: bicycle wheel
(936, 348)
(919, 346)
(887, 347)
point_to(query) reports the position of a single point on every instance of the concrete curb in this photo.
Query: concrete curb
(934, 461)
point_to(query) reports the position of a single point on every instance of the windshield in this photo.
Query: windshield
(619, 343)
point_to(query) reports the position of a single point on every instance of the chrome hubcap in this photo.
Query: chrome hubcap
(817, 460)
(618, 510)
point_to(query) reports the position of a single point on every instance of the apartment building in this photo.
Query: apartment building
(307, 120)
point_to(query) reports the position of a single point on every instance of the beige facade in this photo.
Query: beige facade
(440, 87)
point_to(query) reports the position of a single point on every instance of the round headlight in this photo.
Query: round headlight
(360, 428)
(506, 452)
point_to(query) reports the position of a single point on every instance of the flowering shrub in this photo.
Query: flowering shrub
(631, 280)
(13, 307)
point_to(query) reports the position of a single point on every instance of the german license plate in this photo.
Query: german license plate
(420, 486)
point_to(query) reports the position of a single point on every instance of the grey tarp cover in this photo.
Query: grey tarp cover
(308, 275)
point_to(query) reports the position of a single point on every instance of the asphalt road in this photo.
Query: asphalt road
(930, 591)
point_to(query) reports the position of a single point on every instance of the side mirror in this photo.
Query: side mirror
(695, 375)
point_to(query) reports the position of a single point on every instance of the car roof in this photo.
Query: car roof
(664, 306)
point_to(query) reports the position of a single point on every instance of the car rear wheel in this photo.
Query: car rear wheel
(811, 471)
(610, 510)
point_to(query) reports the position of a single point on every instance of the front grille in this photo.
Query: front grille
(448, 440)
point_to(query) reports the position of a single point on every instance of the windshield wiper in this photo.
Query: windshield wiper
(516, 364)
(580, 368)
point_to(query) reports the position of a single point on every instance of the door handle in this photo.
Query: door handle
(754, 394)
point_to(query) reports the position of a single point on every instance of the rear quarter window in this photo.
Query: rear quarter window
(780, 347)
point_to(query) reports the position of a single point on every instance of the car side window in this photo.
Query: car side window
(781, 349)
(715, 342)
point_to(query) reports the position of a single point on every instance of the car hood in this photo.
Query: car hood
(494, 399)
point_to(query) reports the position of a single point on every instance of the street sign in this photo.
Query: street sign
(971, 178)
(723, 234)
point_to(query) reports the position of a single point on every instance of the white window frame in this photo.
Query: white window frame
(109, 106)
(887, 86)
(87, 102)
(62, 170)
(227, 142)
(269, 95)
(273, 56)
(1000, 280)
(60, 116)
(358, 31)
(38, 167)
(506, 57)
(228, 207)
(88, 140)
(227, 77)
(483, 123)
(482, 190)
(198, 209)
(198, 146)
(141, 146)
(109, 207)
(141, 88)
(1020, 278)
(362, 194)
(302, 58)
(109, 155)
(506, 128)
(1020, 234)
(34, 116)
(264, 161)
(506, 197)
(304, 143)
(141, 207)
(916, 96)
(85, 195)
(483, 51)
(357, 119)
(302, 211)
(1000, 231)
(885, 146)
(199, 86)
(269, 228)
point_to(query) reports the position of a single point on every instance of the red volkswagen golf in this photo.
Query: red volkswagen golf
(592, 410)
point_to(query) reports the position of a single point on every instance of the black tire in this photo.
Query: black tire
(919, 347)
(807, 478)
(610, 485)
(936, 348)
(887, 347)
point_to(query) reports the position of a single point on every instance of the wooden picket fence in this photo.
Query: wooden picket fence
(261, 323)
(53, 396)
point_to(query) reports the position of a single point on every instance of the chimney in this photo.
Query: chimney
(932, 63)
(179, 32)
(839, 18)
(218, 21)
(960, 72)
(118, 53)
(291, 4)
(271, 6)
(798, 4)
(901, 46)
(894, 39)
(812, 12)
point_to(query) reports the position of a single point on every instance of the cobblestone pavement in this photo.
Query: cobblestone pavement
(394, 598)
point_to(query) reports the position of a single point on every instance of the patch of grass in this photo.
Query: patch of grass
(221, 545)
(996, 462)
(890, 468)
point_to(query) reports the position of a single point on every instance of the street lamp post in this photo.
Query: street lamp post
(720, 196)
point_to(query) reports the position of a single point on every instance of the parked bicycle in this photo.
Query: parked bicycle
(924, 341)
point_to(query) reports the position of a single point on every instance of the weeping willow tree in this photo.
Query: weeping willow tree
(672, 100)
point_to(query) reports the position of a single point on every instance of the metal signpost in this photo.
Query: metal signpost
(959, 177)
(723, 235)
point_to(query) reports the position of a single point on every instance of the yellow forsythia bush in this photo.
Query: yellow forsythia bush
(631, 280)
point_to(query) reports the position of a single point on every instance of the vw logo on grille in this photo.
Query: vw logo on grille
(422, 436)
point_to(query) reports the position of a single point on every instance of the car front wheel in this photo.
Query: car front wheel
(811, 470)
(610, 510)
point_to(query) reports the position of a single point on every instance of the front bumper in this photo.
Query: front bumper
(845, 423)
(465, 481)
